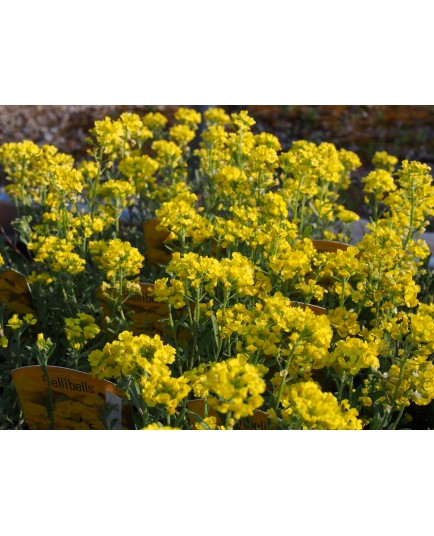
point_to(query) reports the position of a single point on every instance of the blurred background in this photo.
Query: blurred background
(404, 131)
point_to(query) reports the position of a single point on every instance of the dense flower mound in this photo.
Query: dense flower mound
(224, 274)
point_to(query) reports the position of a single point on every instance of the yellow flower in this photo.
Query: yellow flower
(238, 274)
(15, 322)
(216, 116)
(343, 321)
(182, 134)
(263, 158)
(44, 278)
(236, 386)
(208, 423)
(168, 153)
(157, 426)
(57, 254)
(273, 328)
(305, 406)
(412, 381)
(349, 160)
(33, 170)
(119, 137)
(242, 121)
(173, 294)
(88, 225)
(80, 329)
(44, 344)
(155, 121)
(383, 160)
(379, 182)
(117, 192)
(188, 116)
(180, 218)
(116, 258)
(195, 270)
(269, 140)
(353, 354)
(108, 134)
(345, 215)
(130, 355)
(159, 387)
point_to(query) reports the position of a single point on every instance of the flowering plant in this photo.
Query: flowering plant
(250, 311)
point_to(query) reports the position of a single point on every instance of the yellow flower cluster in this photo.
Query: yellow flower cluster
(140, 171)
(179, 218)
(58, 254)
(39, 174)
(276, 329)
(87, 226)
(80, 329)
(343, 321)
(413, 382)
(146, 358)
(159, 387)
(120, 137)
(129, 355)
(15, 322)
(232, 387)
(182, 134)
(195, 274)
(307, 407)
(155, 121)
(379, 182)
(117, 194)
(156, 426)
(385, 161)
(248, 272)
(412, 202)
(353, 354)
(216, 116)
(173, 293)
(194, 270)
(116, 258)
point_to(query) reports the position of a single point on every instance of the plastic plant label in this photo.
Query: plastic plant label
(329, 245)
(156, 251)
(314, 308)
(114, 406)
(15, 292)
(67, 399)
(258, 421)
(142, 311)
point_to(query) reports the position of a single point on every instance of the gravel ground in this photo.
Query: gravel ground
(66, 127)
(406, 131)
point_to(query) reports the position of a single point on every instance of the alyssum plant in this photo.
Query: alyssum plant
(231, 333)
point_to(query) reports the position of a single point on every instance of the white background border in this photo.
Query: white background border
(226, 52)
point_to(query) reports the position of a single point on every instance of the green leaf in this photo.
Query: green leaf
(307, 231)
(215, 329)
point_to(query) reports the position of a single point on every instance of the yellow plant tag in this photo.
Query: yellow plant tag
(15, 292)
(78, 401)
